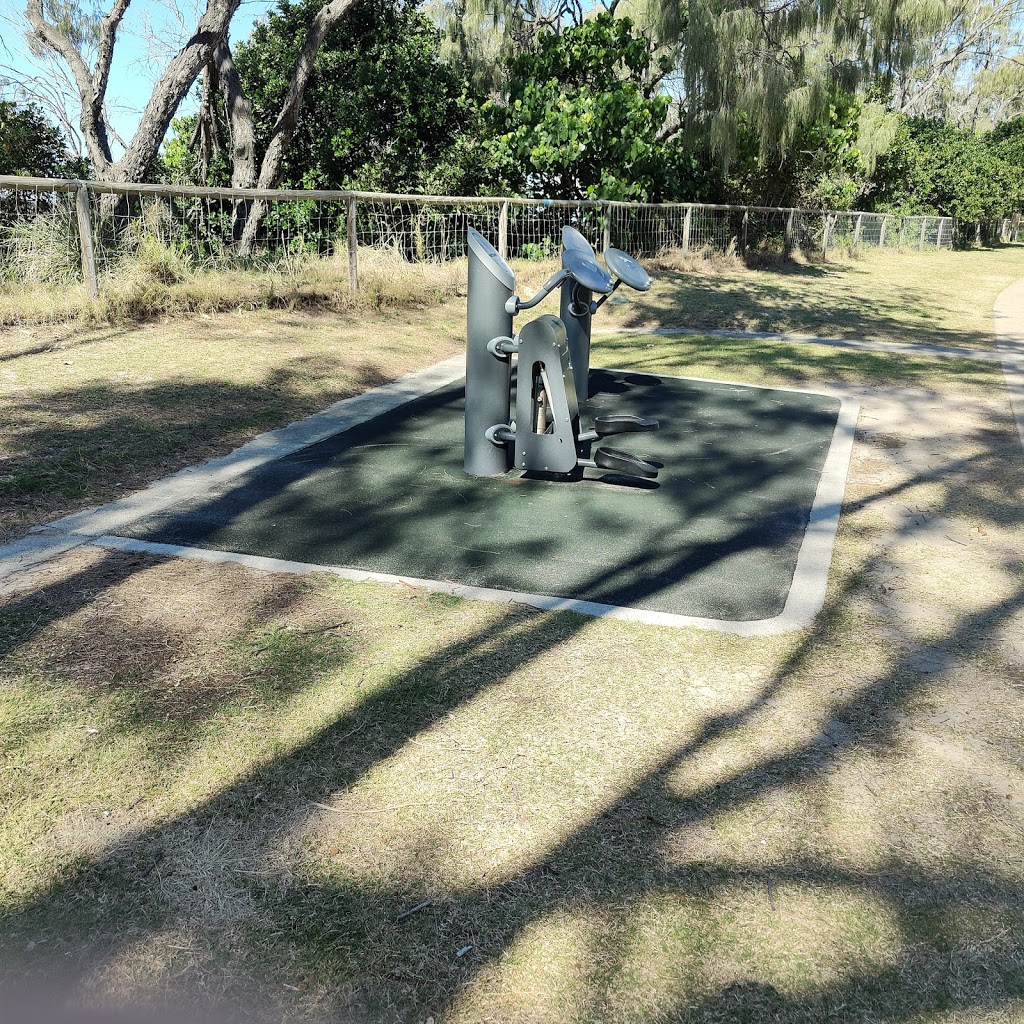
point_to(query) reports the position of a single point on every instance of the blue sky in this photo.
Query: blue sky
(135, 66)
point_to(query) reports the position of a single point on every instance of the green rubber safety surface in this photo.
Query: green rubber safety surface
(717, 537)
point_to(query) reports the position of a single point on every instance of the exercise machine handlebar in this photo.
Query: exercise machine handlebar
(577, 266)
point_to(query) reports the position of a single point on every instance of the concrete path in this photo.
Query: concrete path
(1009, 324)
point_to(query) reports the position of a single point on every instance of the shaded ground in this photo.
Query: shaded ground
(611, 822)
(227, 787)
(93, 414)
(935, 298)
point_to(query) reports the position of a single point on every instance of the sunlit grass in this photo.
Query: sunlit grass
(221, 784)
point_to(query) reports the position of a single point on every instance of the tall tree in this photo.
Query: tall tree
(763, 69)
(969, 68)
(935, 167)
(585, 113)
(31, 144)
(86, 44)
(382, 109)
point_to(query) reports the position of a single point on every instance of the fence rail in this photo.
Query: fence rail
(61, 231)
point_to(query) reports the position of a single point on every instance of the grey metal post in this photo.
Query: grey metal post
(577, 334)
(488, 377)
(83, 212)
(503, 231)
(686, 228)
(608, 225)
(353, 245)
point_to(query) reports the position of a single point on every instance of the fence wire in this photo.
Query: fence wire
(39, 241)
(171, 231)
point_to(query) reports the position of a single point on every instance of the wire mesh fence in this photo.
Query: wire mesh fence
(58, 232)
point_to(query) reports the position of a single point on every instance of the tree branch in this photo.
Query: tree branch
(287, 119)
(93, 127)
(105, 52)
(172, 86)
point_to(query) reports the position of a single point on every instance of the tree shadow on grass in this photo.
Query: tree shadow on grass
(90, 443)
(775, 300)
(602, 877)
(792, 362)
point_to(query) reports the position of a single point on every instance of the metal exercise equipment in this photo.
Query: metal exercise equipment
(540, 432)
(577, 305)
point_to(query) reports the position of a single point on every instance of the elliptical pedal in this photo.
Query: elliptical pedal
(623, 423)
(618, 461)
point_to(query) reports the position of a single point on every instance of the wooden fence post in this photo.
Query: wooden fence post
(686, 228)
(743, 240)
(503, 230)
(924, 226)
(608, 225)
(856, 230)
(788, 246)
(824, 235)
(881, 231)
(353, 245)
(83, 211)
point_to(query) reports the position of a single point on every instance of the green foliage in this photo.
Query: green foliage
(31, 145)
(828, 167)
(935, 167)
(1006, 141)
(584, 116)
(381, 111)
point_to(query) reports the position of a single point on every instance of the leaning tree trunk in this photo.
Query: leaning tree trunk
(240, 128)
(288, 118)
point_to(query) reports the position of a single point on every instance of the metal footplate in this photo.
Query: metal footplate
(618, 461)
(605, 426)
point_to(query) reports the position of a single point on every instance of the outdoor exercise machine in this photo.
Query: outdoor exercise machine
(539, 431)
(577, 304)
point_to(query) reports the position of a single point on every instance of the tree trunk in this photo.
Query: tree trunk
(243, 140)
(167, 94)
(287, 119)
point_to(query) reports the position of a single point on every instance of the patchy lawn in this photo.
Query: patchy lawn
(229, 787)
(935, 298)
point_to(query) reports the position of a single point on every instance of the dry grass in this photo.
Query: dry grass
(613, 822)
(224, 786)
(90, 413)
(148, 288)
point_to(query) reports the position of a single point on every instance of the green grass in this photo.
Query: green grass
(226, 786)
(937, 298)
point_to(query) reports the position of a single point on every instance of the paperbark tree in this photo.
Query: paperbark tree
(49, 30)
(89, 57)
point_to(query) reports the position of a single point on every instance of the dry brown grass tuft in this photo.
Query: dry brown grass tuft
(156, 284)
